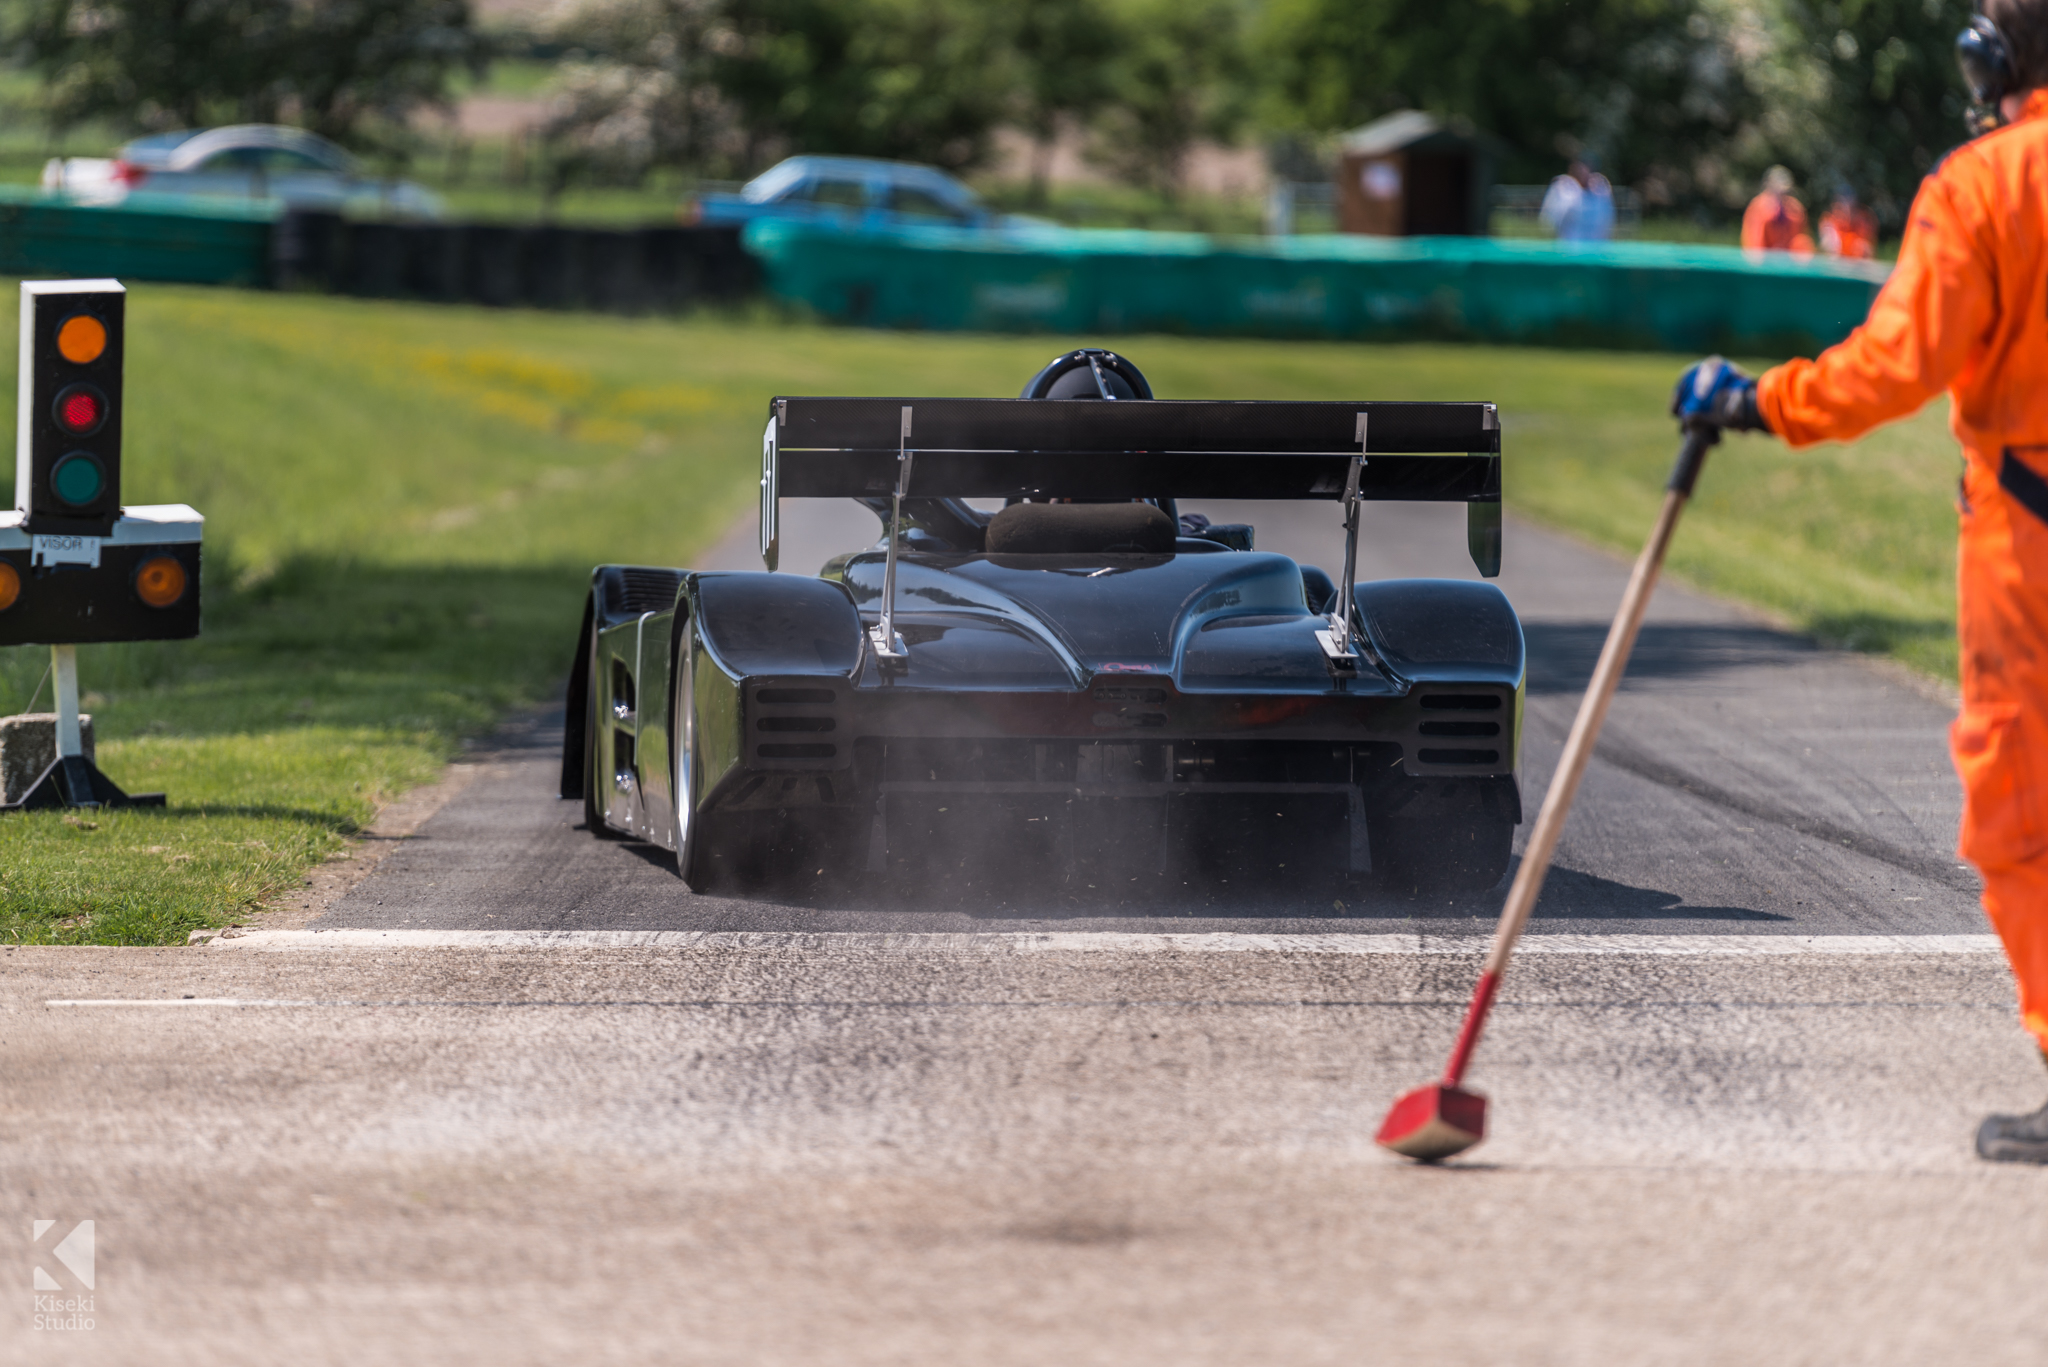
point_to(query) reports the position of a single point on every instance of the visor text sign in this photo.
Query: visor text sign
(64, 550)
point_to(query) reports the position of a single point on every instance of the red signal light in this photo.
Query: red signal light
(81, 409)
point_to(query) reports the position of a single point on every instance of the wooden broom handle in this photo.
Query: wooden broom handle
(1585, 733)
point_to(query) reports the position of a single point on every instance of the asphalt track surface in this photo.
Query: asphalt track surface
(1747, 782)
(520, 1098)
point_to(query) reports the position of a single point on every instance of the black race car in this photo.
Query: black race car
(1081, 679)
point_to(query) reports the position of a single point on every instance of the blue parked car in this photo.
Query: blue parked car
(854, 193)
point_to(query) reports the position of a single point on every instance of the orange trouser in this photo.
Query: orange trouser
(2016, 900)
(2000, 738)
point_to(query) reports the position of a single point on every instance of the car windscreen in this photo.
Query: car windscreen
(838, 194)
(912, 202)
(270, 161)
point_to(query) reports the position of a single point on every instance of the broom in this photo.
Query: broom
(1434, 1122)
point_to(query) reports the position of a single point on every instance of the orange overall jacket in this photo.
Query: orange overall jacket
(1776, 223)
(1966, 310)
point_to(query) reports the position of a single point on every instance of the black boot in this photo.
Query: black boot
(2014, 1138)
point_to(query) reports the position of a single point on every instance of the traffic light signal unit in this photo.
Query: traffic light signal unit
(76, 566)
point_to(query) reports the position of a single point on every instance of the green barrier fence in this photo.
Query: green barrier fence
(1685, 298)
(145, 237)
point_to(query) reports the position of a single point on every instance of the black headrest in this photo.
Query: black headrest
(1081, 529)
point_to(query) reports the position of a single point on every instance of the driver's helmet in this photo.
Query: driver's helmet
(1089, 373)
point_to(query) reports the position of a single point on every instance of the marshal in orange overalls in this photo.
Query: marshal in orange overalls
(1966, 310)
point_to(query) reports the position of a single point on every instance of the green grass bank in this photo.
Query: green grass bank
(403, 502)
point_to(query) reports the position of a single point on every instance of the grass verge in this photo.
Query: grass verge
(403, 503)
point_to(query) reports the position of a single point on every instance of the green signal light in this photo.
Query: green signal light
(79, 479)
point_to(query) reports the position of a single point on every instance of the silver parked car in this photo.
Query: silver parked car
(245, 161)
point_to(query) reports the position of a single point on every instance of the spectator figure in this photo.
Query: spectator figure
(1579, 205)
(1775, 221)
(1848, 229)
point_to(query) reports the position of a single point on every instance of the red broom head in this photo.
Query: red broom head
(1432, 1123)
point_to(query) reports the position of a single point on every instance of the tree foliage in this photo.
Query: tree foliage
(728, 85)
(725, 85)
(639, 93)
(1649, 86)
(1178, 73)
(1893, 102)
(1687, 99)
(919, 79)
(1064, 51)
(339, 67)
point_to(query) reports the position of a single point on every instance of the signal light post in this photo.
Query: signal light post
(76, 566)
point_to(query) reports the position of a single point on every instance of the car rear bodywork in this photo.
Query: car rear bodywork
(1159, 703)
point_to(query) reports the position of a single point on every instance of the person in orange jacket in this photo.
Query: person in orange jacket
(1774, 220)
(1966, 310)
(1847, 229)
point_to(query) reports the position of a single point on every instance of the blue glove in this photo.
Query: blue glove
(1714, 393)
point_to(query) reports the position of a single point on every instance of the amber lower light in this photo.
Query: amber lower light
(10, 585)
(160, 581)
(81, 339)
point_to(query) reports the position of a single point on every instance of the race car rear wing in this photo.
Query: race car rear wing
(1038, 448)
(1035, 448)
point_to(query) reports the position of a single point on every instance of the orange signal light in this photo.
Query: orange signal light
(160, 581)
(10, 585)
(82, 339)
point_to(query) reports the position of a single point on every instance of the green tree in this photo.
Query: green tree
(638, 94)
(1894, 101)
(922, 80)
(1065, 51)
(340, 67)
(1660, 90)
(1180, 74)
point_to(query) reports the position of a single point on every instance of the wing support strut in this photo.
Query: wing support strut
(887, 645)
(1339, 640)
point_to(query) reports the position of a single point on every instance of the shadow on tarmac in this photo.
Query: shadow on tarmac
(1562, 654)
(1568, 894)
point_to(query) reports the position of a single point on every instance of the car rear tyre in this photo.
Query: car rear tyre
(1444, 853)
(693, 855)
(595, 785)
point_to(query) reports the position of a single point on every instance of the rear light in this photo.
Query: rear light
(129, 174)
(10, 585)
(160, 581)
(81, 409)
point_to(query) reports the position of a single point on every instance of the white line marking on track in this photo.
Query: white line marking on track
(179, 1001)
(1070, 942)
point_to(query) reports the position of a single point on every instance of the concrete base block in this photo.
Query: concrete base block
(28, 745)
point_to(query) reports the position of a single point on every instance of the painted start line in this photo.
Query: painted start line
(1107, 942)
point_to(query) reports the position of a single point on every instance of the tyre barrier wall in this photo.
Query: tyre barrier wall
(191, 239)
(638, 270)
(178, 238)
(1684, 298)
